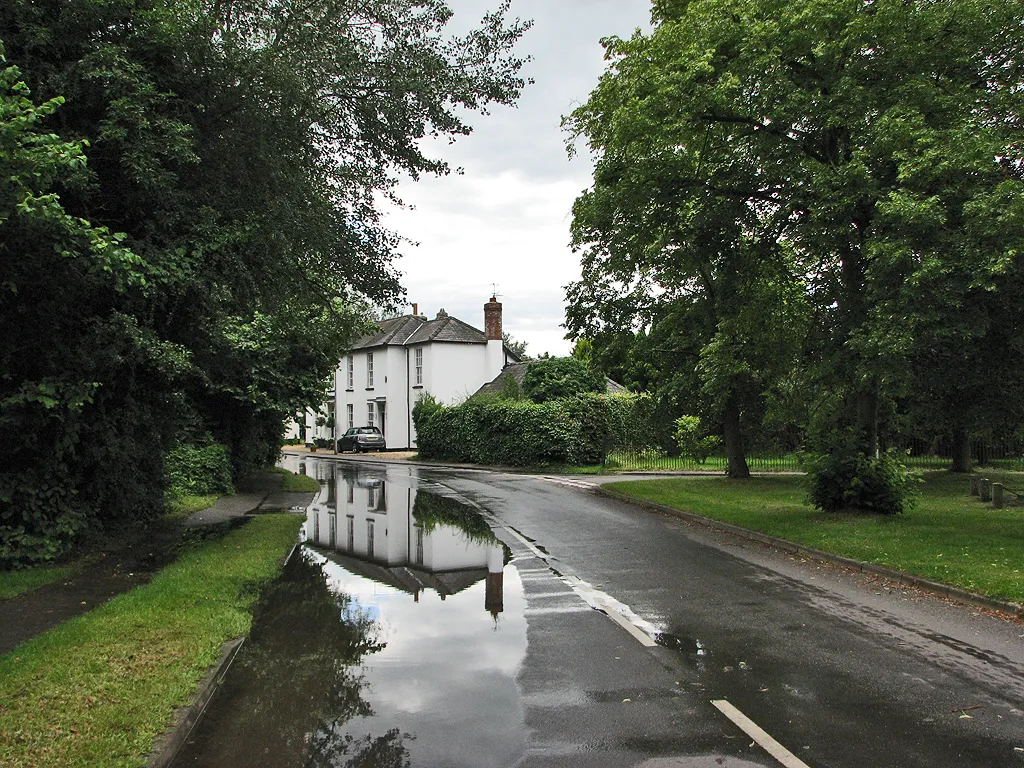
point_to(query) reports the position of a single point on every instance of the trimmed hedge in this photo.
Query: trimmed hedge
(495, 430)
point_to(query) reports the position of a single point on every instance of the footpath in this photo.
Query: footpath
(134, 556)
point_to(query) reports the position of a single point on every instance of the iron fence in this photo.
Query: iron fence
(919, 454)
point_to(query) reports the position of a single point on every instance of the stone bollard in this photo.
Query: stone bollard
(985, 488)
(974, 485)
(997, 495)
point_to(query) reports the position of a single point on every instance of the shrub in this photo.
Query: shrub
(193, 469)
(561, 377)
(843, 479)
(691, 444)
(494, 430)
(511, 389)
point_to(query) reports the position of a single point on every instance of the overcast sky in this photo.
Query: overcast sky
(506, 219)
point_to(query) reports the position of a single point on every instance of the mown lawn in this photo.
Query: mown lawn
(949, 536)
(99, 689)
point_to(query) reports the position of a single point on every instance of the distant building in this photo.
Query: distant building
(378, 382)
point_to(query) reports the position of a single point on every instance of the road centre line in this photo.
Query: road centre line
(758, 734)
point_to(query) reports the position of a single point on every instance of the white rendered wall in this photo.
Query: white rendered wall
(456, 371)
(451, 373)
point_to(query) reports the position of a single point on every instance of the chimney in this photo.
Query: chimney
(492, 319)
(415, 308)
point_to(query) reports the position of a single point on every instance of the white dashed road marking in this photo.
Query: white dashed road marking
(758, 734)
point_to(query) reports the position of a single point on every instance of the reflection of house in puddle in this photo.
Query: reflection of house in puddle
(404, 537)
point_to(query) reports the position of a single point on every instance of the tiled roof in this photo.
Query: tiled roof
(395, 330)
(518, 371)
(447, 328)
(411, 329)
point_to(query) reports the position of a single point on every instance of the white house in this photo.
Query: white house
(378, 382)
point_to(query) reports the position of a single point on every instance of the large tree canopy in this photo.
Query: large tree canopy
(766, 158)
(239, 150)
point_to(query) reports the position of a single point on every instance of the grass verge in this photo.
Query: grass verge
(99, 689)
(297, 483)
(181, 507)
(13, 583)
(950, 536)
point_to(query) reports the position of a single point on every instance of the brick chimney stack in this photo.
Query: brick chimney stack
(492, 319)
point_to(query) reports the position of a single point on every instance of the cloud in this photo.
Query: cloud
(506, 219)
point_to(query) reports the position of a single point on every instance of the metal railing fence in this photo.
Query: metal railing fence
(919, 454)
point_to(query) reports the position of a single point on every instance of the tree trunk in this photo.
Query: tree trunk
(961, 450)
(867, 417)
(734, 453)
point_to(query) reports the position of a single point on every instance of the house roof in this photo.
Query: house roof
(409, 330)
(518, 371)
(405, 577)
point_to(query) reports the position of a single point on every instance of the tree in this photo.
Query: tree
(869, 142)
(516, 347)
(239, 149)
(675, 225)
(560, 377)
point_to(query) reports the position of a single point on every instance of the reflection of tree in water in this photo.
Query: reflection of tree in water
(329, 746)
(432, 510)
(295, 684)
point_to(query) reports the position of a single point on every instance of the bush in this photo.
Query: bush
(561, 377)
(198, 470)
(494, 430)
(691, 444)
(844, 479)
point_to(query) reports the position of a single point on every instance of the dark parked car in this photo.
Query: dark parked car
(361, 439)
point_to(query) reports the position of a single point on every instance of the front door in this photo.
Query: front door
(380, 417)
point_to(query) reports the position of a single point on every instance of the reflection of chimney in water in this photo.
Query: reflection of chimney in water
(494, 597)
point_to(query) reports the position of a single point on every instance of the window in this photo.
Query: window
(351, 373)
(351, 533)
(369, 369)
(419, 365)
(369, 414)
(350, 412)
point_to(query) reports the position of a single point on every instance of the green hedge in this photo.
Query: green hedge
(495, 430)
(193, 469)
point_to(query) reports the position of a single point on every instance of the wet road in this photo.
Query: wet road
(587, 632)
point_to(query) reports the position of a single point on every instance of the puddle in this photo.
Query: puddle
(393, 638)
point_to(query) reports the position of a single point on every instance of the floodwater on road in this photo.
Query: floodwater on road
(398, 623)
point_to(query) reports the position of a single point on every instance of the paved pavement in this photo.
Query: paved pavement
(258, 494)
